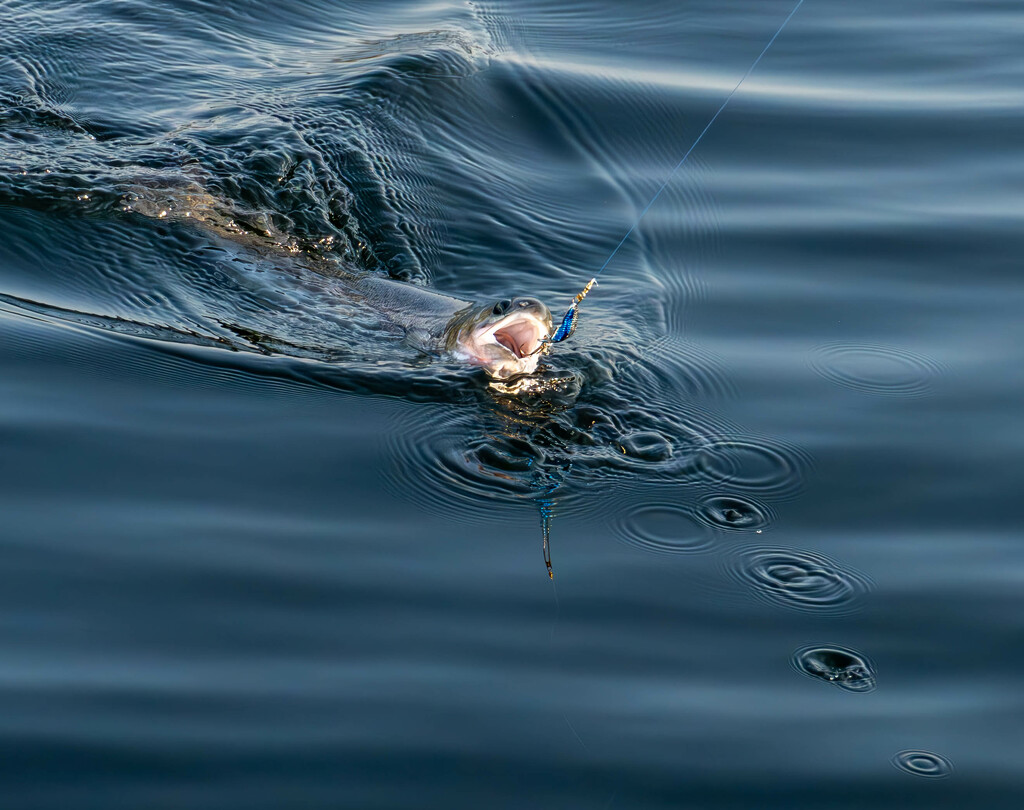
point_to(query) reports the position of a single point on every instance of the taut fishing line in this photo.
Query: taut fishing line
(568, 324)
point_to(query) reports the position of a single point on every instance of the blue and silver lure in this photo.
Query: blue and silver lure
(568, 324)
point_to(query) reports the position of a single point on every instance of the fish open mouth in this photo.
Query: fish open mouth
(505, 343)
(521, 335)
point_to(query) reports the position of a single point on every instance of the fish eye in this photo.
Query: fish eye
(527, 302)
(502, 307)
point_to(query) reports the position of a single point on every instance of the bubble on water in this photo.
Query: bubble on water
(840, 666)
(663, 528)
(734, 513)
(923, 763)
(800, 580)
(882, 370)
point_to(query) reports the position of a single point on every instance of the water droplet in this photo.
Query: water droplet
(923, 763)
(837, 665)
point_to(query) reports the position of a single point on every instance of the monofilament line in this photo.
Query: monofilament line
(679, 165)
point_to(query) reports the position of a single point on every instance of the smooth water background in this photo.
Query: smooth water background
(257, 553)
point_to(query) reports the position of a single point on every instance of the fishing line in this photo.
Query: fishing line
(568, 324)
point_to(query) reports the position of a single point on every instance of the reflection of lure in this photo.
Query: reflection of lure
(568, 324)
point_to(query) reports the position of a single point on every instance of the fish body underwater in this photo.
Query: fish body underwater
(504, 337)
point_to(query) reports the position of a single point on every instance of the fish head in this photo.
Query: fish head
(504, 337)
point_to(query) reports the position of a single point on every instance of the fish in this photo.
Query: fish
(505, 337)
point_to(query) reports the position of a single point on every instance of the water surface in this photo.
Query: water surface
(259, 552)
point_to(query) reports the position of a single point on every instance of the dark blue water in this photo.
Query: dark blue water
(257, 551)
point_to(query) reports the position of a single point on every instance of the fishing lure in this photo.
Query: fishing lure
(568, 325)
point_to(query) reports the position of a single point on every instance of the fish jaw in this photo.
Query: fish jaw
(509, 346)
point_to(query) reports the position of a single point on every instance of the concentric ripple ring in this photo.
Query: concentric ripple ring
(800, 580)
(756, 466)
(923, 763)
(734, 513)
(872, 369)
(662, 528)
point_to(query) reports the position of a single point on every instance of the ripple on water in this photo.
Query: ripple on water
(734, 513)
(445, 465)
(460, 461)
(837, 665)
(663, 528)
(687, 367)
(800, 580)
(646, 446)
(872, 369)
(923, 763)
(756, 465)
